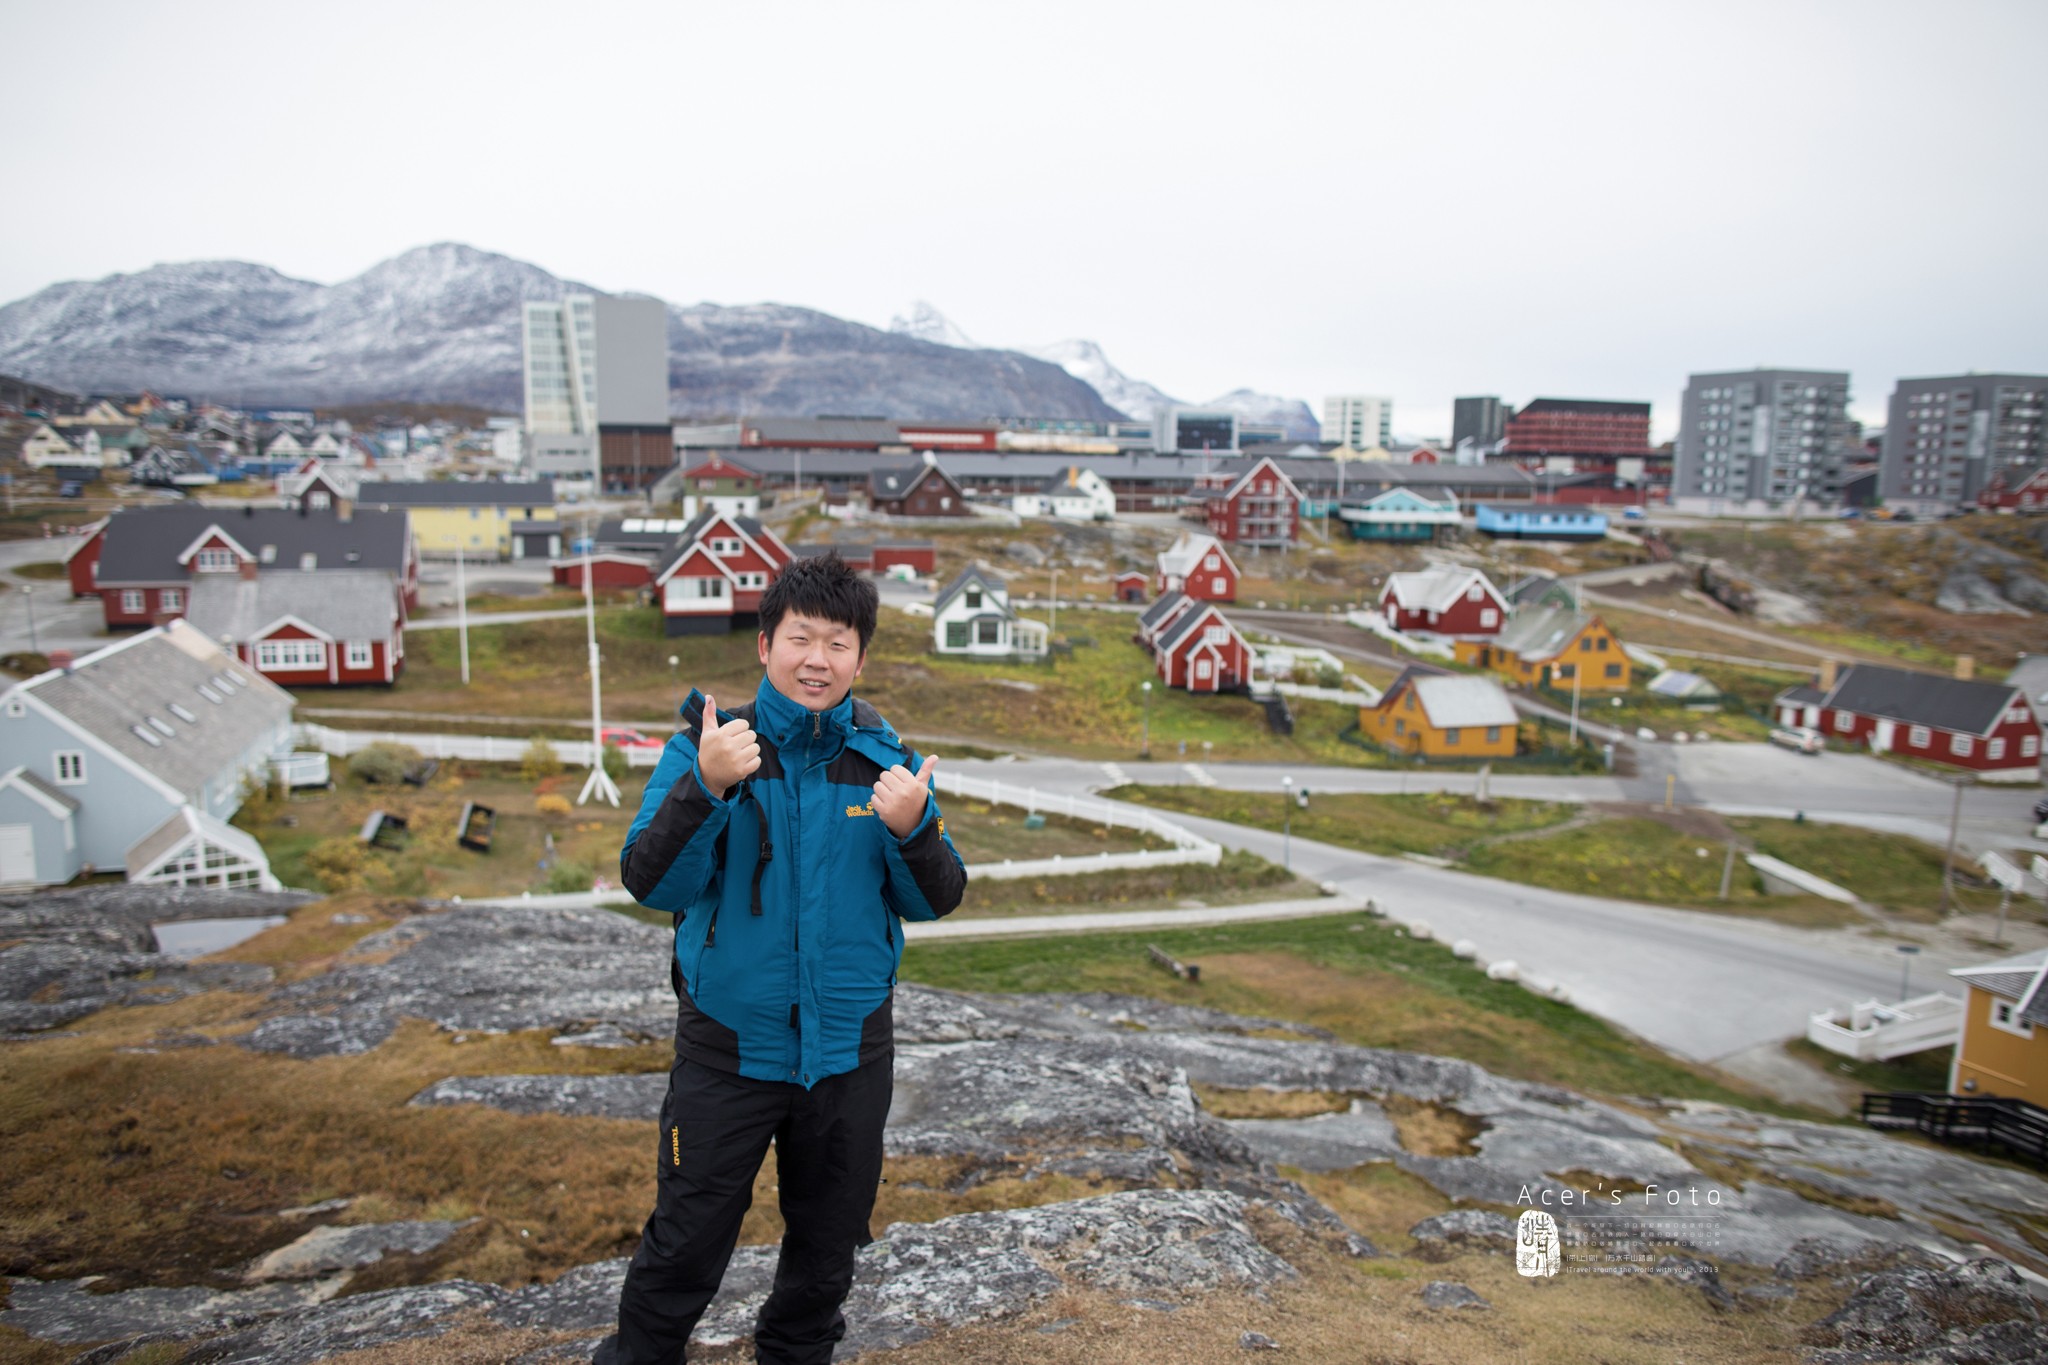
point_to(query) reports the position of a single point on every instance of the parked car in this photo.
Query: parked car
(627, 738)
(1633, 514)
(1799, 739)
(70, 488)
(2041, 811)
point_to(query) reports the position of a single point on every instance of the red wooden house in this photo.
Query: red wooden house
(1199, 566)
(2028, 495)
(306, 630)
(1987, 728)
(1130, 585)
(143, 562)
(1263, 508)
(1447, 600)
(713, 577)
(608, 572)
(1203, 652)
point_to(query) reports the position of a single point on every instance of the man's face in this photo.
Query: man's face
(811, 661)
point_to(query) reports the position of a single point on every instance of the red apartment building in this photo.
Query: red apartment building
(1592, 433)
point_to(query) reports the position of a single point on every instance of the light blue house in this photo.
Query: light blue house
(134, 758)
(1541, 523)
(1401, 514)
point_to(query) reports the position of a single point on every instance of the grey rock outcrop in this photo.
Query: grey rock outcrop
(1463, 1230)
(1980, 1310)
(1451, 1294)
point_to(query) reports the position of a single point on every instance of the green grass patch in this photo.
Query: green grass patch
(1362, 979)
(1903, 875)
(1239, 879)
(1926, 1072)
(43, 570)
(1440, 824)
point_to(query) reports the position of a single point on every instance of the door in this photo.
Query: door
(1881, 738)
(17, 855)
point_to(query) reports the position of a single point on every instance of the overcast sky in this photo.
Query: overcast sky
(1422, 200)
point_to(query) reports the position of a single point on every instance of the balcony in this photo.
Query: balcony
(1871, 1032)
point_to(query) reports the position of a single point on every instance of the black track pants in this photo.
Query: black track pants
(715, 1130)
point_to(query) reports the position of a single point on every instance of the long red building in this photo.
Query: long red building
(1592, 433)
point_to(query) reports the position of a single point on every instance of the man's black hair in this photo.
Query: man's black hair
(824, 587)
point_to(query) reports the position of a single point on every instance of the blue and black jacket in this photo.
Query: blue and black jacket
(787, 889)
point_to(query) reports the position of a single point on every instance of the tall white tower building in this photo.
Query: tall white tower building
(1358, 420)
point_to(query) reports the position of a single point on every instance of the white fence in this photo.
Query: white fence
(1874, 1032)
(574, 753)
(1188, 846)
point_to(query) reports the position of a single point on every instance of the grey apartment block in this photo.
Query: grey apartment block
(1482, 421)
(632, 362)
(1757, 439)
(1947, 438)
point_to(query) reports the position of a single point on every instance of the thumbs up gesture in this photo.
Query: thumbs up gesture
(725, 753)
(900, 796)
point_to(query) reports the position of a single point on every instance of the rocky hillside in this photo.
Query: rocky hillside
(1062, 1185)
(441, 324)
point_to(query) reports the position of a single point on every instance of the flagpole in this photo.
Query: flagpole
(599, 782)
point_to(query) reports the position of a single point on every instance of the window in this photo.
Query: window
(945, 504)
(752, 580)
(308, 562)
(319, 500)
(2030, 746)
(1201, 668)
(268, 554)
(1613, 670)
(131, 601)
(1489, 617)
(2005, 1016)
(1493, 734)
(1567, 670)
(358, 655)
(1216, 635)
(70, 766)
(1845, 721)
(1962, 746)
(214, 561)
(1400, 725)
(1918, 737)
(1212, 563)
(16, 707)
(956, 635)
(1994, 749)
(209, 694)
(1220, 586)
(988, 631)
(710, 587)
(1585, 644)
(278, 655)
(1600, 643)
(182, 714)
(725, 545)
(1450, 736)
(974, 599)
(171, 599)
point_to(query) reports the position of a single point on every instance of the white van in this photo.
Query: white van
(1799, 739)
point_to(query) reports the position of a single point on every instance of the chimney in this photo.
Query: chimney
(62, 658)
(247, 568)
(1827, 676)
(1966, 667)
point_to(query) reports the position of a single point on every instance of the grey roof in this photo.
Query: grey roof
(791, 430)
(896, 480)
(1159, 610)
(1178, 631)
(1802, 695)
(1459, 703)
(450, 493)
(959, 584)
(2014, 978)
(42, 788)
(142, 544)
(130, 684)
(1531, 590)
(1540, 634)
(1970, 708)
(2030, 676)
(348, 604)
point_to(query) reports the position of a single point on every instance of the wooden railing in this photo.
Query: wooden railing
(2019, 1127)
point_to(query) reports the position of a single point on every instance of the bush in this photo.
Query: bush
(338, 864)
(564, 878)
(614, 761)
(551, 804)
(540, 761)
(383, 763)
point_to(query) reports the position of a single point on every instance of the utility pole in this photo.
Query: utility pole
(1145, 733)
(599, 783)
(1728, 871)
(1948, 859)
(28, 596)
(462, 614)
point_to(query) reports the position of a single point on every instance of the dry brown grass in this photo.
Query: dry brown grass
(1429, 1129)
(1227, 1103)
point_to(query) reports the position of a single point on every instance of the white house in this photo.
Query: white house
(46, 446)
(1074, 494)
(973, 617)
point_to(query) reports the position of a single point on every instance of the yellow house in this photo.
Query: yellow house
(1442, 715)
(481, 520)
(2003, 1048)
(1553, 647)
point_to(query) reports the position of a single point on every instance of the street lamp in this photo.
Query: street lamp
(28, 596)
(1906, 951)
(675, 682)
(1287, 824)
(1145, 734)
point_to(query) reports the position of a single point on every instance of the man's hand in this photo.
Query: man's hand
(726, 754)
(900, 796)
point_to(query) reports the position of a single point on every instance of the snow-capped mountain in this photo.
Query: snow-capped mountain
(927, 323)
(1293, 414)
(441, 323)
(1084, 360)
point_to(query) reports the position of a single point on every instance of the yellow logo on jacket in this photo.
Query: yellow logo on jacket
(868, 809)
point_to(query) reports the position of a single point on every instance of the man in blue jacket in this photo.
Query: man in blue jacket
(789, 837)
